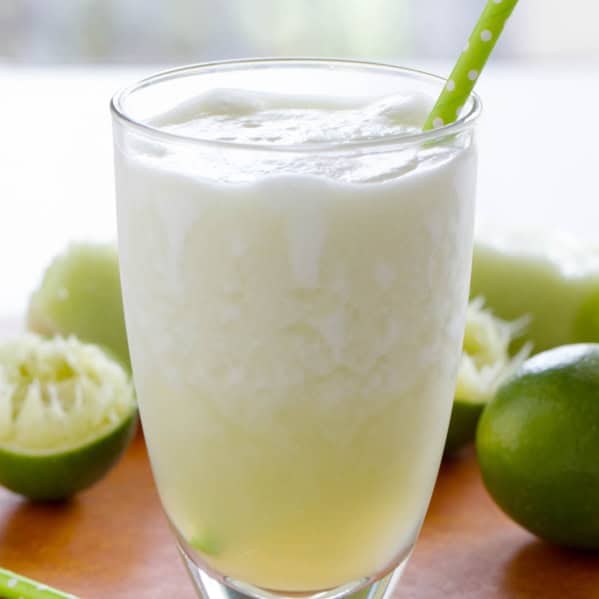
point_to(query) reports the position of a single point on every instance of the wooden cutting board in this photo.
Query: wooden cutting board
(112, 542)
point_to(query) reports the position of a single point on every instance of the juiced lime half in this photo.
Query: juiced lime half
(67, 413)
(486, 362)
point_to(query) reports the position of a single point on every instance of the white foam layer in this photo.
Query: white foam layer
(239, 116)
(304, 123)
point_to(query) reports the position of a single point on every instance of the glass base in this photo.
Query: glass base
(209, 587)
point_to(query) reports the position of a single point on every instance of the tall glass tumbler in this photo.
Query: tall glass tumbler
(295, 315)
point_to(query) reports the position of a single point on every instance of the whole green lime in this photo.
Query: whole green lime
(538, 446)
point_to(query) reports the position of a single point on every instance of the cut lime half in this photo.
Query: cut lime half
(485, 363)
(67, 413)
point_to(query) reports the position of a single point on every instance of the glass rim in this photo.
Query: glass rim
(119, 113)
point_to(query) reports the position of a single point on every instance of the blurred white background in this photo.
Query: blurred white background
(183, 31)
(60, 60)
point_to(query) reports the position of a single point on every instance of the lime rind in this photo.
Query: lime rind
(56, 476)
(59, 393)
(486, 361)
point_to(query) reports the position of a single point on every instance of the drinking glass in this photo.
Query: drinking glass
(295, 315)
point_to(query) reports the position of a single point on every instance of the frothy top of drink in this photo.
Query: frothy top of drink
(301, 125)
(260, 118)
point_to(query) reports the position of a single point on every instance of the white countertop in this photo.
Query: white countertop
(538, 140)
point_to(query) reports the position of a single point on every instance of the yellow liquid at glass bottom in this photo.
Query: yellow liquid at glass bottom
(306, 503)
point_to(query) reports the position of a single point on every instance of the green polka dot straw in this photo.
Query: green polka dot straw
(470, 63)
(14, 586)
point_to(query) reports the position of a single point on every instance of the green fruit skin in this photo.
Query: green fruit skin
(80, 295)
(60, 476)
(462, 425)
(538, 446)
(563, 309)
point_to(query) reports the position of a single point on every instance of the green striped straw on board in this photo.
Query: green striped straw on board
(15, 586)
(470, 63)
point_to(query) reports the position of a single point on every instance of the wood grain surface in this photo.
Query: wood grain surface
(112, 542)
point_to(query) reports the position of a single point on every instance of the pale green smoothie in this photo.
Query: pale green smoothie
(295, 329)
